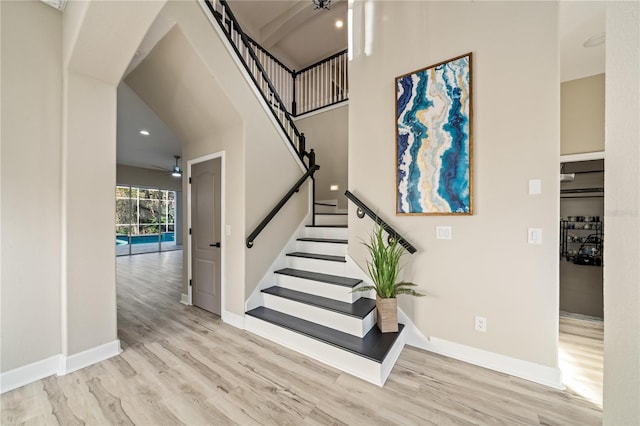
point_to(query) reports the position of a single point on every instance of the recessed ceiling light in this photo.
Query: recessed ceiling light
(339, 23)
(144, 132)
(334, 188)
(595, 40)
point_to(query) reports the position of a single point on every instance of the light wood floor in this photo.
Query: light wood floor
(181, 365)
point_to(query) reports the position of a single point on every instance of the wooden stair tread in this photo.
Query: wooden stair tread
(332, 214)
(318, 256)
(326, 226)
(317, 276)
(359, 309)
(374, 346)
(324, 240)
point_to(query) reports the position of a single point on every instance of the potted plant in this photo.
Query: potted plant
(384, 267)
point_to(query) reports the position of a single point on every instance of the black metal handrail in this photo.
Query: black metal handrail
(245, 41)
(295, 188)
(384, 225)
(322, 61)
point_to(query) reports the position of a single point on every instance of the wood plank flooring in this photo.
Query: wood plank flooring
(182, 365)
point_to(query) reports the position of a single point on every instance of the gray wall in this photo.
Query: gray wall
(488, 268)
(582, 115)
(31, 202)
(327, 132)
(622, 210)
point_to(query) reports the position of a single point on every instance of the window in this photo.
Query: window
(145, 220)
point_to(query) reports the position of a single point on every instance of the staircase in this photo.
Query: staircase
(311, 307)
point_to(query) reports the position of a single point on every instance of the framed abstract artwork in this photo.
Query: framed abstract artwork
(433, 139)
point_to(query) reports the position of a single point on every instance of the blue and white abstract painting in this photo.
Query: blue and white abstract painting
(434, 139)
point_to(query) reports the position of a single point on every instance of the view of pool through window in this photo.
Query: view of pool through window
(145, 220)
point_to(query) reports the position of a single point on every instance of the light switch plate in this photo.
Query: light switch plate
(228, 230)
(534, 235)
(535, 186)
(443, 232)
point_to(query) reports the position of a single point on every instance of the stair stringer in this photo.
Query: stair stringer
(256, 297)
(252, 85)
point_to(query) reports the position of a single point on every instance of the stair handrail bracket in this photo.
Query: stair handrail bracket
(295, 188)
(365, 210)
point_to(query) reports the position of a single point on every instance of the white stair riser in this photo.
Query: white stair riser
(335, 249)
(331, 219)
(330, 291)
(316, 265)
(345, 323)
(325, 209)
(338, 233)
(356, 365)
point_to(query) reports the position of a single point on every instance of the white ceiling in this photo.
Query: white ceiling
(300, 36)
(580, 20)
(293, 31)
(133, 149)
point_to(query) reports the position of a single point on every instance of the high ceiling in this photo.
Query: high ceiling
(293, 31)
(299, 36)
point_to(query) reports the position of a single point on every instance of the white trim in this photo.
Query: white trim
(585, 156)
(252, 87)
(13, 379)
(321, 110)
(548, 376)
(392, 356)
(57, 364)
(413, 336)
(71, 363)
(233, 319)
(185, 299)
(223, 223)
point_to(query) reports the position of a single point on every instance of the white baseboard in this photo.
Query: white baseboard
(57, 364)
(71, 363)
(233, 319)
(533, 372)
(184, 299)
(30, 373)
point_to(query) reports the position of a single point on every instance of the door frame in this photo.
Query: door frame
(223, 234)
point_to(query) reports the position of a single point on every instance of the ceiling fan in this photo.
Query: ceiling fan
(175, 171)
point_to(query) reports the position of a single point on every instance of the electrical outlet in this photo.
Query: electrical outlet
(481, 324)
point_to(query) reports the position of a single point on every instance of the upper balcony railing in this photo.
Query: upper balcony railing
(322, 84)
(248, 55)
(317, 86)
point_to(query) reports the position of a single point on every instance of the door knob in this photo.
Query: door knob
(215, 245)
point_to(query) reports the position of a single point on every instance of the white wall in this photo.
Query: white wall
(622, 213)
(488, 268)
(327, 132)
(31, 139)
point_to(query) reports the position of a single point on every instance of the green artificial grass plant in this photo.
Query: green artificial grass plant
(384, 267)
